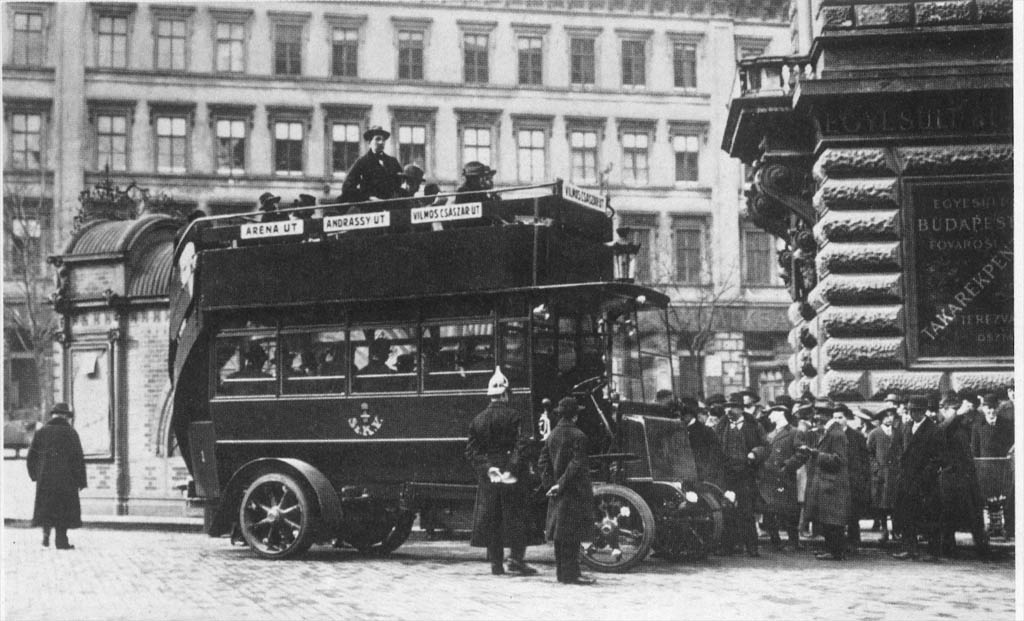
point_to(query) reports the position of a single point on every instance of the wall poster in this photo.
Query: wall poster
(91, 400)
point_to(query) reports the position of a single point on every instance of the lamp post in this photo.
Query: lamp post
(623, 255)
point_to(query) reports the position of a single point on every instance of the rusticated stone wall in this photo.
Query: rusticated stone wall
(852, 343)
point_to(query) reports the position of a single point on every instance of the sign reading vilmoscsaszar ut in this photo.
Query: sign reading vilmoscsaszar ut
(963, 263)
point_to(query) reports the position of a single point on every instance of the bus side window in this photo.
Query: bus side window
(458, 356)
(314, 362)
(513, 353)
(247, 365)
(384, 359)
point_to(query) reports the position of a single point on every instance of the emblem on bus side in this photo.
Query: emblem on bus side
(364, 423)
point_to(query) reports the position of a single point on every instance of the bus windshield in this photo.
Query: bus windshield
(641, 355)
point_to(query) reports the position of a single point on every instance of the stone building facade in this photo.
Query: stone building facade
(884, 159)
(209, 105)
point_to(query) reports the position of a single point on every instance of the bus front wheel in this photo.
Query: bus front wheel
(276, 516)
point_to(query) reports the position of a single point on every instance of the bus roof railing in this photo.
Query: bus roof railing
(556, 188)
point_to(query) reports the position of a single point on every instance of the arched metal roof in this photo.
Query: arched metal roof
(150, 273)
(114, 236)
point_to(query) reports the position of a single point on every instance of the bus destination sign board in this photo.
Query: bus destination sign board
(261, 230)
(377, 219)
(582, 197)
(444, 213)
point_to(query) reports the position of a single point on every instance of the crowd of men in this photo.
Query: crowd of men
(923, 467)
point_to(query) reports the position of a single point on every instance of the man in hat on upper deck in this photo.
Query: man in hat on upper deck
(479, 178)
(375, 175)
(56, 464)
(497, 440)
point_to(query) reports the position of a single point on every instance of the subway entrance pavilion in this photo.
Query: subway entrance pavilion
(883, 156)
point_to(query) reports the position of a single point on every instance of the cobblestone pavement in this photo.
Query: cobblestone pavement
(159, 575)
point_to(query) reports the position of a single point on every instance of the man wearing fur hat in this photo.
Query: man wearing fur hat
(56, 464)
(501, 514)
(565, 472)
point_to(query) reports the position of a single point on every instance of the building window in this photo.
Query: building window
(230, 47)
(113, 41)
(689, 247)
(642, 231)
(476, 145)
(287, 49)
(288, 143)
(684, 64)
(530, 146)
(410, 54)
(112, 142)
(345, 147)
(22, 239)
(170, 44)
(412, 145)
(758, 258)
(583, 147)
(26, 141)
(345, 52)
(475, 57)
(230, 146)
(582, 61)
(634, 158)
(530, 60)
(687, 149)
(171, 140)
(28, 39)
(633, 63)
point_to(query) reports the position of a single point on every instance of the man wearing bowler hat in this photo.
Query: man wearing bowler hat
(739, 435)
(918, 507)
(56, 464)
(478, 180)
(566, 474)
(375, 175)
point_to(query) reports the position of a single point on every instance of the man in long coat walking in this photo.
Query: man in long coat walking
(776, 479)
(501, 515)
(828, 494)
(566, 474)
(918, 507)
(56, 464)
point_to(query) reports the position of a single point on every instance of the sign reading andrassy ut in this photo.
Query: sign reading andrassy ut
(377, 219)
(258, 230)
(583, 197)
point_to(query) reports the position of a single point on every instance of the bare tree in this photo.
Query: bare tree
(30, 320)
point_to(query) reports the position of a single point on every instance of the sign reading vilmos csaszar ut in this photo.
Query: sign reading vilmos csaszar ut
(963, 266)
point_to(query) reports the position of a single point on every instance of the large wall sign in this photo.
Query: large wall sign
(90, 399)
(963, 267)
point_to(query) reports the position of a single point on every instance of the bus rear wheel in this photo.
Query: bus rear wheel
(276, 516)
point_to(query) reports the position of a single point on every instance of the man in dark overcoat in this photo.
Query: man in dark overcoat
(883, 470)
(992, 440)
(963, 507)
(707, 452)
(918, 507)
(501, 515)
(56, 464)
(375, 174)
(776, 478)
(828, 493)
(859, 468)
(739, 435)
(566, 473)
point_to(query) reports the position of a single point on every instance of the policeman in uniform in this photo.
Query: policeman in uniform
(501, 516)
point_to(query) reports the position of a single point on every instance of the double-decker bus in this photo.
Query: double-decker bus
(326, 367)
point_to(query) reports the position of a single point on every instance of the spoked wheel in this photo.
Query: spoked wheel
(622, 533)
(689, 528)
(276, 516)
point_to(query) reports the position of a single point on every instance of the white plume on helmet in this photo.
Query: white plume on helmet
(498, 383)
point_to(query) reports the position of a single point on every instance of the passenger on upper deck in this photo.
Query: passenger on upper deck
(479, 179)
(268, 205)
(375, 175)
(412, 179)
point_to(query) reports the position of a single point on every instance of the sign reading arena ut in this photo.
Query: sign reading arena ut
(963, 263)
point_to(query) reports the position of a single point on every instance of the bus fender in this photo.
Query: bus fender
(326, 496)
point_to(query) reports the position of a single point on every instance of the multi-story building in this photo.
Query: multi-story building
(213, 104)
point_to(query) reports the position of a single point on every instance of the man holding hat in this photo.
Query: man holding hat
(739, 435)
(963, 507)
(777, 480)
(566, 473)
(883, 468)
(56, 464)
(501, 515)
(375, 175)
(918, 507)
